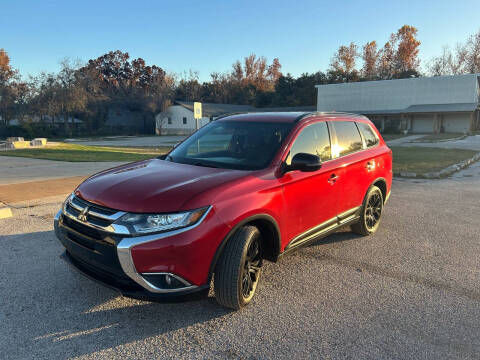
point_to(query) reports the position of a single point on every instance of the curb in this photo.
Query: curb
(5, 212)
(442, 173)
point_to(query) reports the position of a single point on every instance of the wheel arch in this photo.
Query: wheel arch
(381, 183)
(269, 229)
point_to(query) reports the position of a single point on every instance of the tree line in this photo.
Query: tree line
(89, 91)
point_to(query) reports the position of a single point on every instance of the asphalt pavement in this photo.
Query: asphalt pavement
(15, 170)
(411, 291)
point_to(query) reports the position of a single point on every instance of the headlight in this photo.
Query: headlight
(150, 223)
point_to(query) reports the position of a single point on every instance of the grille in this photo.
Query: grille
(93, 207)
(83, 229)
(114, 278)
(89, 219)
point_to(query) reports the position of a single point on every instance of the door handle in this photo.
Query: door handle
(370, 165)
(333, 178)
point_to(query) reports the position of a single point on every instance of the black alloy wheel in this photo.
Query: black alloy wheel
(239, 267)
(251, 270)
(371, 212)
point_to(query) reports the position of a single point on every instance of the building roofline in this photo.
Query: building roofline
(404, 79)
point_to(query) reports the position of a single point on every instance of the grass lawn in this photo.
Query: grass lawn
(76, 153)
(423, 159)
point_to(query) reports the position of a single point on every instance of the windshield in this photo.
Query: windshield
(238, 145)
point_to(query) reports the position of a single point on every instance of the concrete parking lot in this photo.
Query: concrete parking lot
(411, 291)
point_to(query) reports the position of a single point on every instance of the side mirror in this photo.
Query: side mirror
(304, 162)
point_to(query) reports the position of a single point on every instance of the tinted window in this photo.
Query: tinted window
(314, 139)
(348, 137)
(368, 133)
(232, 144)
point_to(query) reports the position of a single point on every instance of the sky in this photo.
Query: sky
(210, 35)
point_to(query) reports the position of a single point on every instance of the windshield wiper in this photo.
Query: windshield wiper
(199, 163)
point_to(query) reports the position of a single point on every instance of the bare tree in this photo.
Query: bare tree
(472, 54)
(465, 59)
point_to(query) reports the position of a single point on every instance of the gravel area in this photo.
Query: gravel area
(411, 291)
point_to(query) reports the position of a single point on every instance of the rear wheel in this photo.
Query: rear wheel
(371, 213)
(238, 269)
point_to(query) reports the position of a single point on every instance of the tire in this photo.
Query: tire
(372, 209)
(243, 251)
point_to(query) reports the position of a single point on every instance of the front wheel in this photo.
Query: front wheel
(238, 269)
(371, 213)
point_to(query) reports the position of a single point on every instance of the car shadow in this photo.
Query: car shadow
(62, 312)
(343, 234)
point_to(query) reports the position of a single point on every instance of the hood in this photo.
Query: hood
(152, 186)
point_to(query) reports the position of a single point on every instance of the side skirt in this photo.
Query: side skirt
(324, 229)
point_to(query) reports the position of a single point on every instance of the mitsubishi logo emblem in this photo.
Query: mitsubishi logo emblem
(83, 215)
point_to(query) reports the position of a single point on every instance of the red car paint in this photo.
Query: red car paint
(294, 202)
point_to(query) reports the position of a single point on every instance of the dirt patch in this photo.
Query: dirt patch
(15, 193)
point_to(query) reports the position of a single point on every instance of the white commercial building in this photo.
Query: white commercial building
(415, 105)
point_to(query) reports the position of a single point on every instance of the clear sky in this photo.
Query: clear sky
(210, 35)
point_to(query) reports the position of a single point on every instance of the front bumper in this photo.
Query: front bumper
(107, 258)
(128, 288)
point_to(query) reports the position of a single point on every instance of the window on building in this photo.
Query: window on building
(169, 121)
(315, 140)
(368, 133)
(184, 120)
(348, 138)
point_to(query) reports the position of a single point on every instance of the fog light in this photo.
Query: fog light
(165, 281)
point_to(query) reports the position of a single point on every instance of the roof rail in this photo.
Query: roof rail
(300, 117)
(230, 114)
(314, 113)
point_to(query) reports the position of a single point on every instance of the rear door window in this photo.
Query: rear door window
(368, 133)
(348, 138)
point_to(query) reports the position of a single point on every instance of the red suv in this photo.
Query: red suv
(243, 189)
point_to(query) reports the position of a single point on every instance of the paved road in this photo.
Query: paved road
(134, 141)
(412, 291)
(15, 170)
